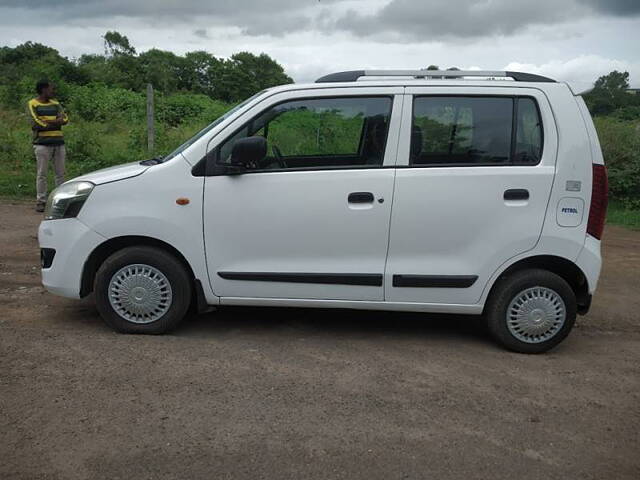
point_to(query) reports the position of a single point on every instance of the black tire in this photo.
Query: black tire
(506, 290)
(175, 273)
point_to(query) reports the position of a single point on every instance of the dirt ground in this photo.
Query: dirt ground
(277, 393)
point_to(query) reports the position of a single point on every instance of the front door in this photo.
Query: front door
(472, 186)
(311, 220)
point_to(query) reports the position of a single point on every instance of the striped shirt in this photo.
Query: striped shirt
(40, 113)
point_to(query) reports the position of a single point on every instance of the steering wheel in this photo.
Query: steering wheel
(277, 155)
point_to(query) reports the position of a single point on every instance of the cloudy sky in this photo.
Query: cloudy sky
(573, 40)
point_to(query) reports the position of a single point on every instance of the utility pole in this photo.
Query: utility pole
(151, 132)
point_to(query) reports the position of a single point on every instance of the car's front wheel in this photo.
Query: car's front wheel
(142, 290)
(531, 311)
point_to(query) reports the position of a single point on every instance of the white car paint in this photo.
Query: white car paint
(443, 221)
(74, 241)
(113, 174)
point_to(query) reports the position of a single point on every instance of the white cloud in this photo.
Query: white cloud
(576, 70)
(575, 49)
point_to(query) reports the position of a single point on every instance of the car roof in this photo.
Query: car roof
(419, 78)
(415, 83)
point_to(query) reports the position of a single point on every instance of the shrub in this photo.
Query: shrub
(630, 112)
(186, 107)
(620, 142)
(101, 103)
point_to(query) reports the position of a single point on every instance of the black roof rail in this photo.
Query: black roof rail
(354, 75)
(528, 77)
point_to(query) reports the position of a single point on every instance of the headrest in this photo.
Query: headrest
(416, 141)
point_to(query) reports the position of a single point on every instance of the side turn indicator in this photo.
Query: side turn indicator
(182, 201)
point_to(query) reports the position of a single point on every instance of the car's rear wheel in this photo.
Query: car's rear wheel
(142, 290)
(531, 311)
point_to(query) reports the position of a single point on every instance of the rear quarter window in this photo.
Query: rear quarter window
(528, 145)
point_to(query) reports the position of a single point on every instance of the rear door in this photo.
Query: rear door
(474, 176)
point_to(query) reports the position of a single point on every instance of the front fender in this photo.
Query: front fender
(146, 206)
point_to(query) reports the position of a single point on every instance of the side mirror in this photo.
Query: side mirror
(248, 151)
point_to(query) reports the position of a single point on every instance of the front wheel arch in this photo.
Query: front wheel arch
(109, 247)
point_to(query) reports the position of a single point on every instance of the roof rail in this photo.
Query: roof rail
(354, 75)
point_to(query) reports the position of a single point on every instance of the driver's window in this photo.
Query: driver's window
(320, 133)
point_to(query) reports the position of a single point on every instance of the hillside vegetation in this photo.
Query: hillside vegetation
(104, 96)
(616, 114)
(107, 127)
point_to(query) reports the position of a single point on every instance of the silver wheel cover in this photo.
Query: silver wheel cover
(536, 315)
(140, 293)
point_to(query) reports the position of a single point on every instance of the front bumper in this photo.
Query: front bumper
(73, 242)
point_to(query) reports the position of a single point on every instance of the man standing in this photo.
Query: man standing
(47, 118)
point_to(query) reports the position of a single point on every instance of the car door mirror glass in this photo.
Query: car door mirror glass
(248, 152)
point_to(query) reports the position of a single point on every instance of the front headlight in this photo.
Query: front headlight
(67, 200)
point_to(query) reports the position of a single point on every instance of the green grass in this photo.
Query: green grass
(617, 214)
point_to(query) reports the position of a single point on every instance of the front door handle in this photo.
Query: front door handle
(516, 194)
(360, 197)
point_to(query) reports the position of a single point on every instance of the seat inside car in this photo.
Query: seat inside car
(416, 144)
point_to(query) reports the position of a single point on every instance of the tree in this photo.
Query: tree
(199, 72)
(609, 94)
(21, 67)
(452, 69)
(161, 69)
(230, 80)
(613, 83)
(117, 44)
(245, 74)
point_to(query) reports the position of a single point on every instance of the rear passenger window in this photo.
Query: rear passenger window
(475, 131)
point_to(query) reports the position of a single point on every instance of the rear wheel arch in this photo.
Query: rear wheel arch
(564, 268)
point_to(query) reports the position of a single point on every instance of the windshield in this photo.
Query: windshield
(209, 127)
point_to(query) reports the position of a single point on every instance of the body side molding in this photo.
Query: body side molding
(366, 279)
(434, 281)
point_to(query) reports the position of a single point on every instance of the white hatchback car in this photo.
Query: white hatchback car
(427, 191)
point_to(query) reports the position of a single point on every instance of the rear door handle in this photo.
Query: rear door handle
(516, 194)
(360, 197)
